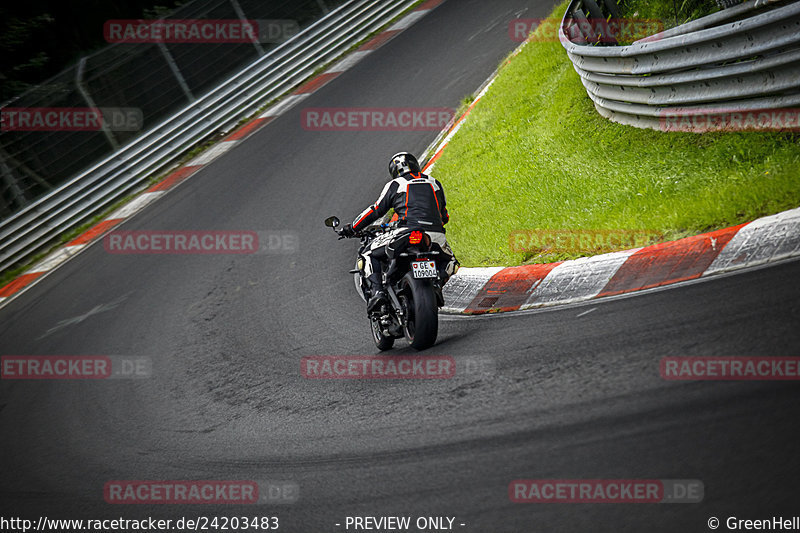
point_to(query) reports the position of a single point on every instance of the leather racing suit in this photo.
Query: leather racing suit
(419, 204)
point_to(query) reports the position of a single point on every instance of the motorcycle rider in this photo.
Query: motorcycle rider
(419, 204)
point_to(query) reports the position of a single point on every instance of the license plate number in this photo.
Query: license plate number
(424, 269)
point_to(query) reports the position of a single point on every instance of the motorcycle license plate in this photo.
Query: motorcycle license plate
(424, 269)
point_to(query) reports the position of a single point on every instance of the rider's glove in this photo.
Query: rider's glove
(347, 231)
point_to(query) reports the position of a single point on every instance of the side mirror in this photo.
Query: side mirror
(332, 222)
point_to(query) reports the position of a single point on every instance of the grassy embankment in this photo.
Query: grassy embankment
(535, 154)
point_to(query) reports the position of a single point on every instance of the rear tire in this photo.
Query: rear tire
(422, 322)
(381, 341)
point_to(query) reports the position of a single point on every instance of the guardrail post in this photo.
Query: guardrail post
(594, 9)
(84, 92)
(13, 186)
(243, 18)
(173, 66)
(24, 169)
(612, 7)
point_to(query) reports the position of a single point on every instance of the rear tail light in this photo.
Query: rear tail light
(415, 237)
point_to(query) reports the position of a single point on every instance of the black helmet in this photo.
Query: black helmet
(403, 163)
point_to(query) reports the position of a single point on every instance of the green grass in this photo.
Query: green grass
(671, 13)
(535, 154)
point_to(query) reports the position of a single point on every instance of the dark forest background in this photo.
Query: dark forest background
(40, 38)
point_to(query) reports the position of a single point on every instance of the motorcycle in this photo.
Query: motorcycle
(412, 282)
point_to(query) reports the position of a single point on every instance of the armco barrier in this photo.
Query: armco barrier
(745, 59)
(31, 229)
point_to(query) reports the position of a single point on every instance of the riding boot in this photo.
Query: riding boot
(377, 292)
(444, 276)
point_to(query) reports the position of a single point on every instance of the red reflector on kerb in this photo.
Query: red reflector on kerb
(415, 238)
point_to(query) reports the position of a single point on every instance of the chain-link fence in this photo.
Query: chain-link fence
(151, 80)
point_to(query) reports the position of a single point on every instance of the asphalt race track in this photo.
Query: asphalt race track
(567, 393)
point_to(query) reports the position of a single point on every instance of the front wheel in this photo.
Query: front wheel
(422, 313)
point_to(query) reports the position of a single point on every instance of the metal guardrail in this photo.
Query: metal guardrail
(738, 60)
(134, 85)
(271, 75)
